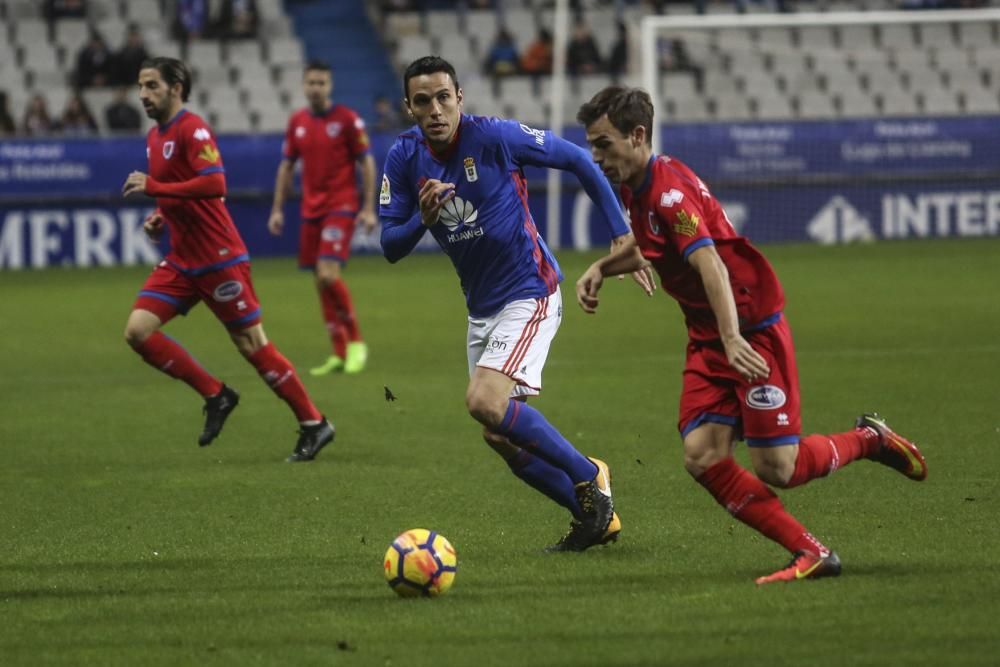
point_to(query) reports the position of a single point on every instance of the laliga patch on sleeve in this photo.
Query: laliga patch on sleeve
(765, 397)
(385, 195)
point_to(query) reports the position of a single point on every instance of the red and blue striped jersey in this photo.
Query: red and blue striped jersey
(202, 234)
(329, 145)
(673, 214)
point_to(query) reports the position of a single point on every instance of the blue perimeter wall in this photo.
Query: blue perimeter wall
(826, 182)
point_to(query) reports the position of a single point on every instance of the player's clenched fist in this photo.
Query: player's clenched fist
(276, 223)
(433, 196)
(136, 182)
(153, 225)
(587, 288)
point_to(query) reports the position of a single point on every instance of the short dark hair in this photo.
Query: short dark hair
(173, 71)
(626, 108)
(318, 66)
(427, 65)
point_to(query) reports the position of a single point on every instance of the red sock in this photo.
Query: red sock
(280, 376)
(820, 455)
(165, 354)
(345, 308)
(752, 502)
(331, 316)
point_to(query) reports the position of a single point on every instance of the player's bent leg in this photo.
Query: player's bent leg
(706, 445)
(774, 465)
(316, 430)
(141, 324)
(894, 450)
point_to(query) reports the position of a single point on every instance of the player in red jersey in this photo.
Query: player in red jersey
(207, 262)
(740, 378)
(331, 141)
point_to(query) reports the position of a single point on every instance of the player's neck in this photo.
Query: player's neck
(641, 164)
(170, 114)
(326, 106)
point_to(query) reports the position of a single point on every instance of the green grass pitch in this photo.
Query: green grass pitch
(126, 544)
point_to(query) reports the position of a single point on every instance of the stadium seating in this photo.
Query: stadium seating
(241, 85)
(766, 73)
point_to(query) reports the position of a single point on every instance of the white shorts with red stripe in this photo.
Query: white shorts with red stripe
(516, 341)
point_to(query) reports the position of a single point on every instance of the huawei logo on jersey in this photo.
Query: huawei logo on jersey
(457, 212)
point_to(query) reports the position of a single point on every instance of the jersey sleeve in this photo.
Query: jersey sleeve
(680, 211)
(541, 148)
(201, 150)
(357, 136)
(288, 149)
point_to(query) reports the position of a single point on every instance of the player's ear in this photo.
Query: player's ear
(460, 97)
(638, 136)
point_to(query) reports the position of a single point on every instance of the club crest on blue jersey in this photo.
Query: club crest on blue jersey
(168, 150)
(471, 175)
(765, 397)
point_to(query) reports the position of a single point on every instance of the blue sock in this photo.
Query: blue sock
(546, 478)
(527, 428)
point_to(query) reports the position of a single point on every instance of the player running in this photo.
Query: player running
(740, 378)
(460, 177)
(207, 262)
(331, 141)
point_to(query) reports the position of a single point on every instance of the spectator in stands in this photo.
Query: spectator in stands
(502, 59)
(191, 19)
(76, 118)
(130, 57)
(388, 117)
(94, 63)
(237, 20)
(537, 58)
(674, 57)
(618, 58)
(8, 127)
(120, 115)
(582, 54)
(36, 121)
(54, 10)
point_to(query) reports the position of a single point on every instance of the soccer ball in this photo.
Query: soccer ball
(420, 563)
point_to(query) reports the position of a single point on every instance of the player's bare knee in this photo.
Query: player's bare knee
(484, 409)
(775, 471)
(135, 336)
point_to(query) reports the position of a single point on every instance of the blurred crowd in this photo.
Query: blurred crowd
(99, 65)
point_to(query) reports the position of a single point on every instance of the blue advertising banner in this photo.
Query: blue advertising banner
(829, 182)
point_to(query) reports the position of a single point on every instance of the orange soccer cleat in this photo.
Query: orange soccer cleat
(805, 565)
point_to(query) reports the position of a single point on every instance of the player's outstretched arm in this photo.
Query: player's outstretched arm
(715, 277)
(625, 258)
(206, 186)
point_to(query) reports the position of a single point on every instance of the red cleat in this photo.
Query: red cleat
(894, 450)
(805, 565)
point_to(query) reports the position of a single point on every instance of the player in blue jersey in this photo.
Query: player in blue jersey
(460, 177)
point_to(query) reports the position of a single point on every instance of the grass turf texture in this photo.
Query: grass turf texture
(124, 543)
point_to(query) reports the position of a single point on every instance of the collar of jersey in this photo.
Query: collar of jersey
(320, 115)
(452, 147)
(163, 128)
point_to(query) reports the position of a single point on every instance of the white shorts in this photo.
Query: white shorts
(516, 341)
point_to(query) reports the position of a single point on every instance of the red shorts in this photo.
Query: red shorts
(765, 413)
(326, 238)
(228, 292)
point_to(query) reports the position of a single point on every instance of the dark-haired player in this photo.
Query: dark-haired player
(207, 262)
(740, 378)
(331, 141)
(460, 178)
